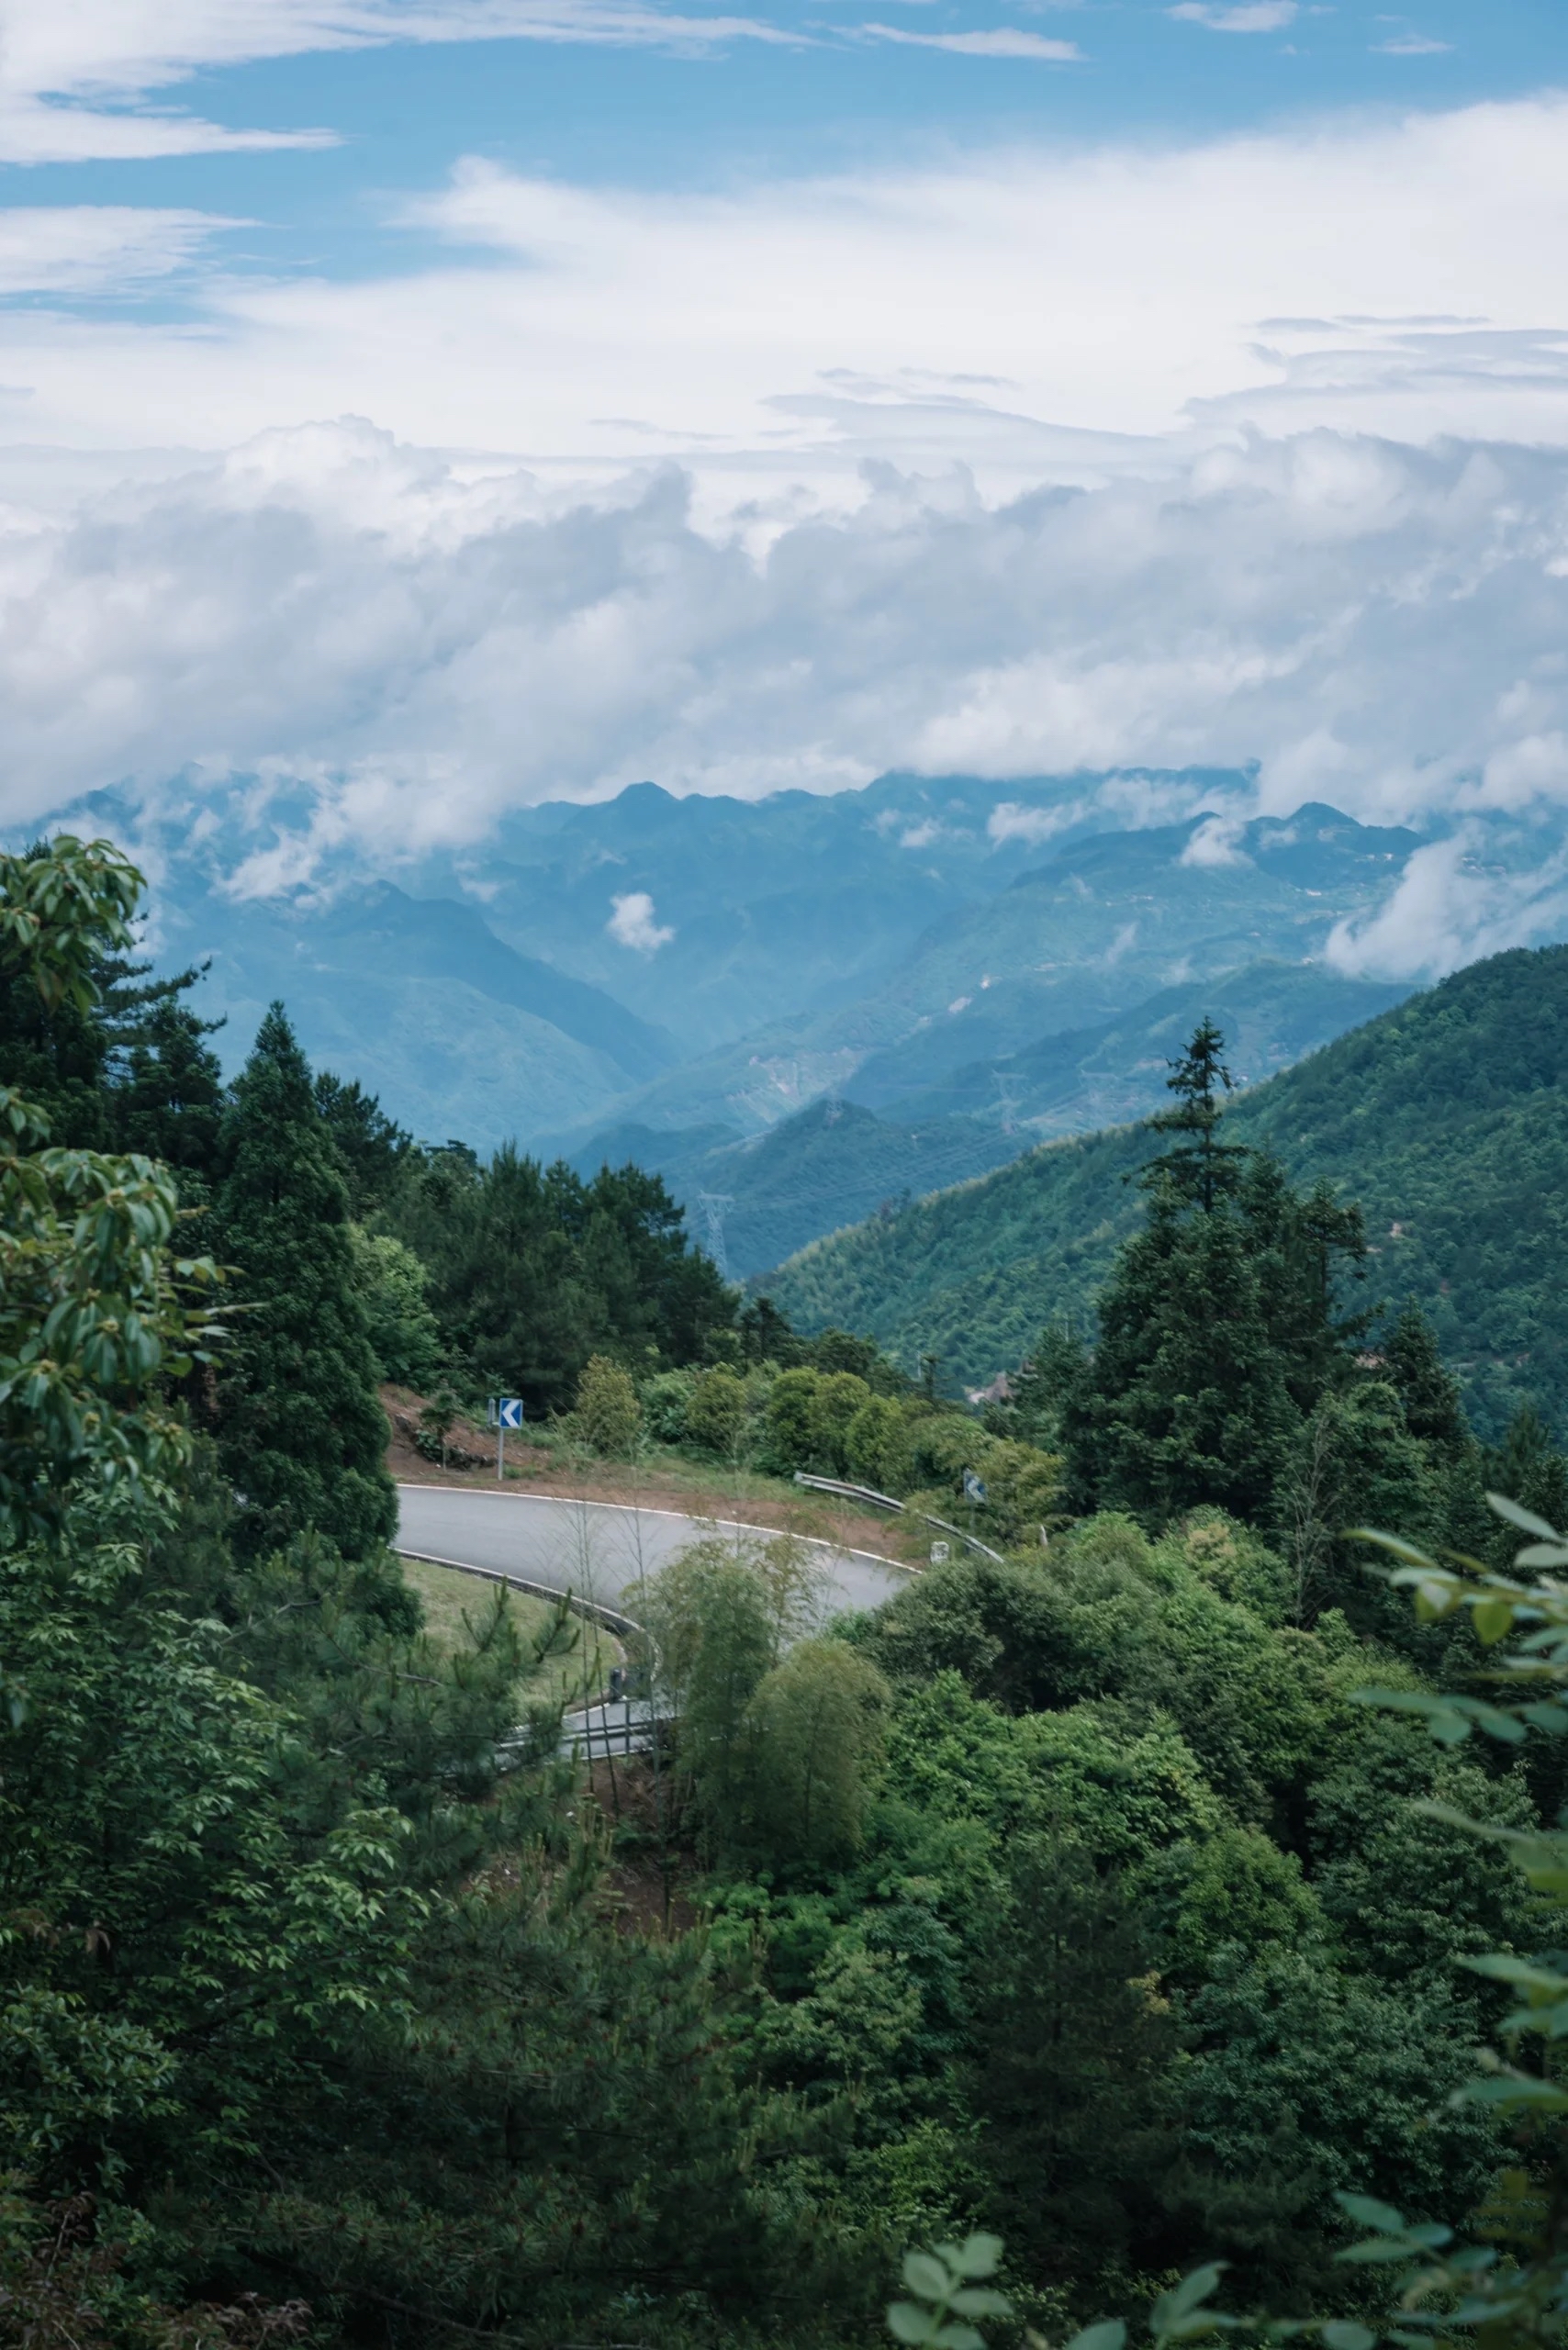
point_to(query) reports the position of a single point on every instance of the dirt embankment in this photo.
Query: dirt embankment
(665, 1482)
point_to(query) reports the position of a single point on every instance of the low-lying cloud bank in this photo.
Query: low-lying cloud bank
(1377, 625)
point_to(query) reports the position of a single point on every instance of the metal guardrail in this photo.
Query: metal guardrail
(611, 1615)
(590, 1727)
(870, 1495)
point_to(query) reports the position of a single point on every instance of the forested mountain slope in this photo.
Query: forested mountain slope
(1446, 1117)
(837, 1160)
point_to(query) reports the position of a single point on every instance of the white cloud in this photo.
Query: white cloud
(1451, 908)
(411, 645)
(1215, 843)
(1413, 45)
(94, 248)
(1010, 821)
(785, 331)
(633, 924)
(1005, 42)
(1250, 16)
(75, 79)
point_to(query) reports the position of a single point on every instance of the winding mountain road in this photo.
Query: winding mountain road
(597, 1551)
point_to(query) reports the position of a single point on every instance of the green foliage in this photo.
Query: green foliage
(93, 1299)
(664, 1398)
(815, 1729)
(608, 1413)
(791, 1434)
(63, 908)
(1073, 2046)
(1445, 1118)
(533, 1270)
(404, 1337)
(298, 1424)
(716, 1412)
(948, 2290)
(875, 1446)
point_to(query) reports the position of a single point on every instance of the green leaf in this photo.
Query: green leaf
(981, 2301)
(910, 2323)
(1372, 2214)
(1392, 1544)
(978, 2255)
(1111, 2333)
(1171, 2307)
(1501, 1968)
(1523, 1518)
(926, 2275)
(1341, 2334)
(1491, 1618)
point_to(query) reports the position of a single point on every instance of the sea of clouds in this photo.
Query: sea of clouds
(1249, 452)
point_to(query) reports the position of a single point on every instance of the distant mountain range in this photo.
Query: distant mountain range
(1446, 1117)
(800, 1009)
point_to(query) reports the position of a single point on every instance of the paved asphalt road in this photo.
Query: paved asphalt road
(593, 1548)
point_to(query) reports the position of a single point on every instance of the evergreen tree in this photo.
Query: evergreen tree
(300, 1432)
(1429, 1392)
(1205, 1169)
(373, 1151)
(1188, 1400)
(1219, 1328)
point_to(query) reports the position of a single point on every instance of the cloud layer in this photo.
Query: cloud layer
(1381, 627)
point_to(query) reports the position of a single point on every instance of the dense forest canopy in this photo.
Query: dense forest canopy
(1075, 1896)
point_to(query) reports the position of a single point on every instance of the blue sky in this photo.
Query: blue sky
(411, 407)
(642, 106)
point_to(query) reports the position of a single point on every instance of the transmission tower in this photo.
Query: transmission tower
(1009, 1086)
(713, 1204)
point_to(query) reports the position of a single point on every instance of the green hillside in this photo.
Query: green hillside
(1446, 1117)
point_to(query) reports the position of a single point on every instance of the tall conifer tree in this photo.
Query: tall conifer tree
(1217, 1327)
(301, 1432)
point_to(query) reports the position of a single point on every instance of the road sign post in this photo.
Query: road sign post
(503, 1412)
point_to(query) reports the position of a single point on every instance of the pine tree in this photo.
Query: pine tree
(1218, 1327)
(1188, 1400)
(1427, 1389)
(300, 1432)
(1206, 1170)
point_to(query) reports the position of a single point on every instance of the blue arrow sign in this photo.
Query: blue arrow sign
(508, 1411)
(974, 1488)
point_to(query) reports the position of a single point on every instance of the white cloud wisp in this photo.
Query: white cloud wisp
(75, 80)
(1034, 314)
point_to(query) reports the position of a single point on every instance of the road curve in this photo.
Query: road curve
(598, 1550)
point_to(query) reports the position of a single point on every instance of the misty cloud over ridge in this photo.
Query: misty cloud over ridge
(1380, 626)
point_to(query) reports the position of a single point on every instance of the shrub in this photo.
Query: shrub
(609, 1414)
(876, 1445)
(838, 1399)
(789, 1409)
(404, 1334)
(665, 1399)
(716, 1415)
